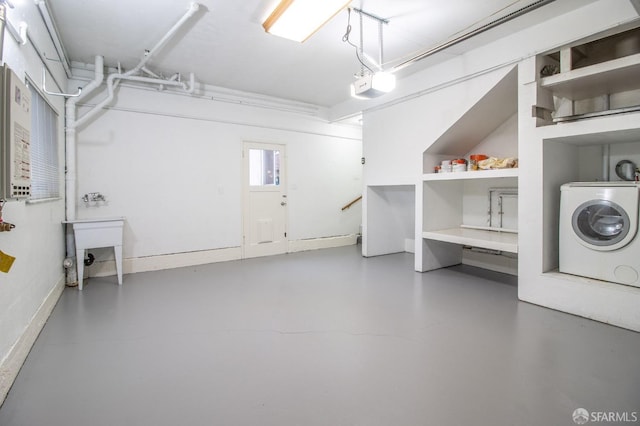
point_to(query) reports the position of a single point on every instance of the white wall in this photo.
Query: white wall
(590, 160)
(172, 165)
(30, 289)
(390, 219)
(502, 142)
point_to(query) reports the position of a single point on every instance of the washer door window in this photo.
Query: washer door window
(600, 223)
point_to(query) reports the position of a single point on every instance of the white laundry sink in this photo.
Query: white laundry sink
(98, 233)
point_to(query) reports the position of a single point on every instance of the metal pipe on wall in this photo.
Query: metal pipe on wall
(53, 35)
(472, 33)
(606, 157)
(3, 18)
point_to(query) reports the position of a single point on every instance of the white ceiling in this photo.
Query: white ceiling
(225, 45)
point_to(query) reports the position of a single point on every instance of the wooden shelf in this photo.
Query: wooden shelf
(478, 174)
(493, 240)
(618, 75)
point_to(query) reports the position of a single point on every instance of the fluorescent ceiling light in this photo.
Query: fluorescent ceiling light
(299, 19)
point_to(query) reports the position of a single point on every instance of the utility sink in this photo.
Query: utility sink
(98, 233)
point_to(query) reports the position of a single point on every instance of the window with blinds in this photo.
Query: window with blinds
(45, 181)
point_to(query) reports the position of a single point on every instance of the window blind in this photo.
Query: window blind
(45, 176)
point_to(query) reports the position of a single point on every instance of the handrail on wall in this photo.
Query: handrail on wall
(351, 203)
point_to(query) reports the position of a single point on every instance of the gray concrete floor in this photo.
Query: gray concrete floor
(318, 338)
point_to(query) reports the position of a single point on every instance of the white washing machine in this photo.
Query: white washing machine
(598, 231)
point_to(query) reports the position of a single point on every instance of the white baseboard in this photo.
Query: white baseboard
(322, 243)
(11, 364)
(178, 260)
(165, 261)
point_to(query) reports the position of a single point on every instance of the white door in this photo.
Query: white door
(265, 200)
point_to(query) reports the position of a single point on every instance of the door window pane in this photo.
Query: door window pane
(264, 167)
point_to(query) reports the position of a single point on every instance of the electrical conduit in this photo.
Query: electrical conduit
(3, 12)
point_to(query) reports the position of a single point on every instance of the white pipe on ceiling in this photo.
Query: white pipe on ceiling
(112, 83)
(114, 79)
(193, 8)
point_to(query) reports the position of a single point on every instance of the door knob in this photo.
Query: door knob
(283, 203)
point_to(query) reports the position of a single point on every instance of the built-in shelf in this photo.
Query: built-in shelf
(455, 198)
(493, 240)
(477, 174)
(617, 75)
(611, 129)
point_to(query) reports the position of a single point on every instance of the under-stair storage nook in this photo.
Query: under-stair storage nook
(458, 210)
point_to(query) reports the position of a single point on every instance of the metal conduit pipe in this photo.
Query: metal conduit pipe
(53, 35)
(3, 17)
(606, 157)
(468, 35)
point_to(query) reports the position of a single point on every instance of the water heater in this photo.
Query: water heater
(15, 136)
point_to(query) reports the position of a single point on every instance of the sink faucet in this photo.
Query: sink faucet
(93, 196)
